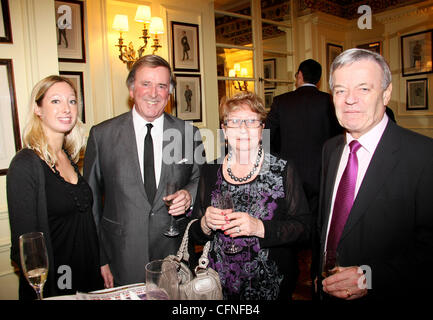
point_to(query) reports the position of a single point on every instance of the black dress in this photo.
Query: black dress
(73, 233)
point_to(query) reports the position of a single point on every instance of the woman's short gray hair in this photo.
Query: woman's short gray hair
(353, 55)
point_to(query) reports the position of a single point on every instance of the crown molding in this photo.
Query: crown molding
(396, 15)
(323, 19)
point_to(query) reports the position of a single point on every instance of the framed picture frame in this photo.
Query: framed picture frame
(76, 77)
(185, 46)
(417, 94)
(269, 97)
(417, 53)
(5, 23)
(70, 31)
(269, 72)
(372, 46)
(332, 51)
(188, 97)
(10, 140)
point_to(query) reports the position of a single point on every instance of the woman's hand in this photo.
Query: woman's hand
(242, 224)
(214, 219)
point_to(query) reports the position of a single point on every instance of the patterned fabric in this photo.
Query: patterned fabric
(250, 274)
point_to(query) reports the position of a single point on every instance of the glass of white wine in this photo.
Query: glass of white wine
(330, 263)
(34, 260)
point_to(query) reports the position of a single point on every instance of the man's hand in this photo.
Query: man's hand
(107, 276)
(347, 283)
(181, 202)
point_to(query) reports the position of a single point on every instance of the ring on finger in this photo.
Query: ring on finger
(348, 293)
(238, 230)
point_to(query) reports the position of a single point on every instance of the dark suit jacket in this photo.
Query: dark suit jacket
(390, 226)
(130, 228)
(300, 122)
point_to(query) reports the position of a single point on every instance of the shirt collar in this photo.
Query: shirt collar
(370, 139)
(307, 85)
(139, 122)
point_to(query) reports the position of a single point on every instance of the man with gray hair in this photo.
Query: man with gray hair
(375, 225)
(128, 167)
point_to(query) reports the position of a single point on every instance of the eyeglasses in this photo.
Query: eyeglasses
(237, 123)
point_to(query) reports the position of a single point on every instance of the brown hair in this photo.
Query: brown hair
(239, 100)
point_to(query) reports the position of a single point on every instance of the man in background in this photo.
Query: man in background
(300, 122)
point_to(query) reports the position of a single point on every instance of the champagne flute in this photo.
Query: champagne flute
(330, 263)
(173, 230)
(34, 260)
(225, 202)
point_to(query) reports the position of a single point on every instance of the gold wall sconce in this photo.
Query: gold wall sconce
(233, 73)
(153, 27)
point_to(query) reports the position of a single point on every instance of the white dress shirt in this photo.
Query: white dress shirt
(157, 132)
(369, 142)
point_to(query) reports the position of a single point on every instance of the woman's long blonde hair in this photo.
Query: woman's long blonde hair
(34, 136)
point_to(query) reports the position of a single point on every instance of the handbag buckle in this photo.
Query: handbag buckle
(202, 263)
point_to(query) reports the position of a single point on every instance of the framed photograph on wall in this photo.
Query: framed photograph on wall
(269, 72)
(417, 94)
(417, 53)
(269, 97)
(76, 77)
(70, 31)
(188, 97)
(10, 141)
(185, 46)
(332, 51)
(5, 23)
(372, 46)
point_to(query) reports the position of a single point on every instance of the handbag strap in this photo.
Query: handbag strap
(182, 253)
(204, 261)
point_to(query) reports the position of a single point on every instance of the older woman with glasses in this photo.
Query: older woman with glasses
(254, 237)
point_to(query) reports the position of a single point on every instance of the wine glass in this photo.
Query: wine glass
(34, 260)
(224, 201)
(330, 263)
(173, 230)
(162, 282)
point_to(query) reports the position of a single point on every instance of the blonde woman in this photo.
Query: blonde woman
(47, 193)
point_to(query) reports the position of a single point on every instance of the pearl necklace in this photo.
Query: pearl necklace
(249, 175)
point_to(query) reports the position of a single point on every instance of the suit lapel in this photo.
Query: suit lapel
(128, 133)
(165, 168)
(382, 163)
(331, 167)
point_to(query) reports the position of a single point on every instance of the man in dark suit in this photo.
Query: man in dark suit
(386, 174)
(128, 162)
(300, 122)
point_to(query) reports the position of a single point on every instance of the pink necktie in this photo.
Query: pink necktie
(344, 198)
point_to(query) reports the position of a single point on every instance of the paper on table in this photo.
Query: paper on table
(129, 292)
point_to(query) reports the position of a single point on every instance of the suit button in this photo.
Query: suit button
(152, 213)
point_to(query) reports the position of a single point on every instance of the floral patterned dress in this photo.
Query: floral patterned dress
(266, 269)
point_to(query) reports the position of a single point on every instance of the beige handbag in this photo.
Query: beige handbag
(204, 283)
